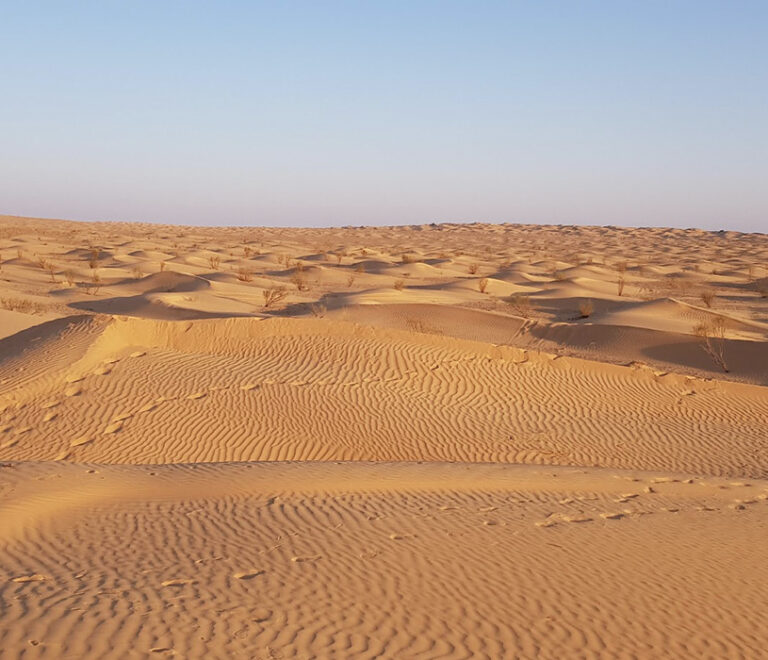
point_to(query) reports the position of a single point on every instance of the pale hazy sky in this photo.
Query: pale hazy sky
(388, 112)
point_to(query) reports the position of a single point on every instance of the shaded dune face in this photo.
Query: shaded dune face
(448, 441)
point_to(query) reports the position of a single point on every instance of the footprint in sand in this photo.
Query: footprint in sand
(248, 386)
(74, 378)
(577, 519)
(137, 354)
(122, 417)
(196, 395)
(36, 577)
(114, 427)
(79, 442)
(73, 390)
(49, 404)
(102, 370)
(50, 416)
(177, 582)
(147, 407)
(248, 575)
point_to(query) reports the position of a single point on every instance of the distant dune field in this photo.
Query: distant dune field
(438, 441)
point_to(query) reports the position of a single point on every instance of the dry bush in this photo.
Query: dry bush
(521, 304)
(621, 267)
(339, 257)
(712, 337)
(558, 276)
(22, 305)
(406, 258)
(399, 285)
(299, 281)
(244, 274)
(93, 260)
(137, 272)
(162, 266)
(69, 275)
(360, 269)
(350, 280)
(586, 307)
(472, 269)
(318, 310)
(42, 262)
(247, 252)
(274, 295)
(482, 284)
(95, 277)
(620, 284)
(19, 253)
(214, 262)
(707, 296)
(51, 267)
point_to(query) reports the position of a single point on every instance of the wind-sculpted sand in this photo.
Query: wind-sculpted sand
(420, 442)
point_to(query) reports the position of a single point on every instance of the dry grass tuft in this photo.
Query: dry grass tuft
(482, 284)
(399, 285)
(586, 307)
(274, 295)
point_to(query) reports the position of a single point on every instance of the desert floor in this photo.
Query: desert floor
(438, 441)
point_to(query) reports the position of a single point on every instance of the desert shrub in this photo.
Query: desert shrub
(399, 285)
(93, 259)
(707, 296)
(318, 310)
(274, 295)
(521, 304)
(137, 272)
(586, 307)
(350, 280)
(620, 282)
(299, 281)
(360, 268)
(214, 261)
(23, 305)
(244, 274)
(482, 284)
(472, 269)
(712, 337)
(69, 275)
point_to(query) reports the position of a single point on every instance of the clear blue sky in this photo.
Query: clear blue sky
(388, 112)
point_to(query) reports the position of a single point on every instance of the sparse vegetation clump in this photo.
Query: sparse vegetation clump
(274, 295)
(472, 269)
(244, 274)
(586, 307)
(482, 284)
(399, 285)
(707, 296)
(521, 304)
(712, 337)
(299, 281)
(214, 262)
(23, 305)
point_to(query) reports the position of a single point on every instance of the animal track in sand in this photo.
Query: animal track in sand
(177, 582)
(248, 575)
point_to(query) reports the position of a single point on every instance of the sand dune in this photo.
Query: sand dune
(402, 442)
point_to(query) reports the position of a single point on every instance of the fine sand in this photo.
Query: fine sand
(443, 441)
